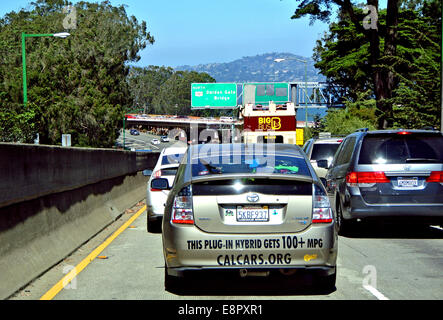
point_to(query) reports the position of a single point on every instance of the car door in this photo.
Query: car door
(336, 176)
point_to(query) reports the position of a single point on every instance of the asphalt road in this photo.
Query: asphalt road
(397, 262)
(142, 141)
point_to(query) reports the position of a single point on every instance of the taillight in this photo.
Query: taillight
(404, 132)
(365, 179)
(182, 208)
(321, 207)
(436, 176)
(157, 174)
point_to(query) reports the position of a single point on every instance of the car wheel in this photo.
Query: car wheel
(343, 225)
(327, 283)
(172, 283)
(153, 225)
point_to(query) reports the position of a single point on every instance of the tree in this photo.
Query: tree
(174, 95)
(18, 124)
(145, 83)
(415, 102)
(376, 35)
(344, 56)
(357, 114)
(162, 90)
(78, 83)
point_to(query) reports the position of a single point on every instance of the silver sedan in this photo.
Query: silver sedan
(255, 209)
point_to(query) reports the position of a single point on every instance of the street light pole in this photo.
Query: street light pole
(25, 87)
(306, 84)
(306, 94)
(124, 132)
(24, 36)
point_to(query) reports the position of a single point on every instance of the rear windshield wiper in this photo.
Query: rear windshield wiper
(210, 168)
(413, 160)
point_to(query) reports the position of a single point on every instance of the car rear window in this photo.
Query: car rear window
(245, 185)
(279, 164)
(172, 158)
(324, 151)
(398, 148)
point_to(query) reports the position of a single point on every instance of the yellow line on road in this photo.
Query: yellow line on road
(75, 271)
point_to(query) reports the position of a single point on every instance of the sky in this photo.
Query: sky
(191, 32)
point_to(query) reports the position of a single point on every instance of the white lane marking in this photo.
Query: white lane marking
(375, 292)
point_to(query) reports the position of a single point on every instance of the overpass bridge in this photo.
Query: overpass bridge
(179, 127)
(181, 121)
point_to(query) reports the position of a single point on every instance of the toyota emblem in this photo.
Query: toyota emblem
(253, 197)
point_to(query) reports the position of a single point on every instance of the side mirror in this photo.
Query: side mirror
(147, 172)
(323, 164)
(160, 184)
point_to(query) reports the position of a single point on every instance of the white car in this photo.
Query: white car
(321, 149)
(166, 167)
(155, 141)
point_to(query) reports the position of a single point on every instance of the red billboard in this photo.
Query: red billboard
(270, 123)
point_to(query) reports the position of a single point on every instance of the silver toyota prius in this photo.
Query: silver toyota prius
(254, 209)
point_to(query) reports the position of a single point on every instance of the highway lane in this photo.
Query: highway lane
(398, 263)
(142, 141)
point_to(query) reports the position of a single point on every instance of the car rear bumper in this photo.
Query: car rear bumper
(319, 270)
(360, 209)
(186, 248)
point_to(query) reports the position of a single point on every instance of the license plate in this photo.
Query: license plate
(252, 213)
(407, 182)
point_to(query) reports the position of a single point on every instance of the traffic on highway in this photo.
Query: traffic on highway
(257, 221)
(236, 153)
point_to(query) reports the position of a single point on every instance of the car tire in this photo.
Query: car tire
(149, 225)
(172, 283)
(327, 283)
(343, 225)
(153, 226)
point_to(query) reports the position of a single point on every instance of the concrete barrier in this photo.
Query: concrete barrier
(72, 194)
(30, 171)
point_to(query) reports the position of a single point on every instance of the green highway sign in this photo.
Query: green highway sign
(213, 95)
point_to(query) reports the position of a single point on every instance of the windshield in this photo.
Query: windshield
(324, 151)
(394, 148)
(172, 158)
(245, 164)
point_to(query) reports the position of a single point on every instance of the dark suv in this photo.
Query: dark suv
(388, 173)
